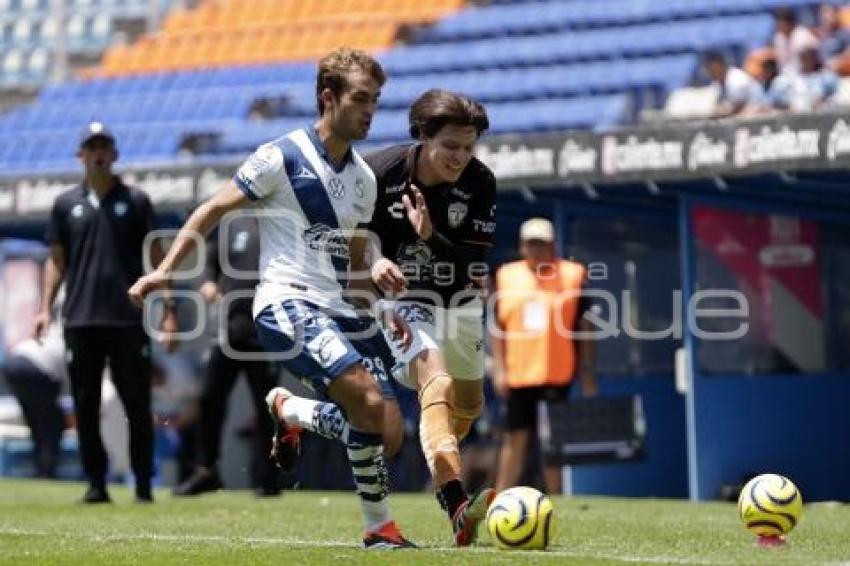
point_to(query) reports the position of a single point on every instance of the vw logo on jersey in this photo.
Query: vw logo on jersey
(358, 188)
(77, 211)
(120, 208)
(336, 188)
(457, 212)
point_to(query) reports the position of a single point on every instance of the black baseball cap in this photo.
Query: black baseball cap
(95, 130)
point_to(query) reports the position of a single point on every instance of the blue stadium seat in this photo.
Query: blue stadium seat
(539, 65)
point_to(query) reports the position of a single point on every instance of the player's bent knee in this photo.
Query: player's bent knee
(373, 409)
(365, 407)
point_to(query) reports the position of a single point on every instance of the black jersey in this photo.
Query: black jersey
(464, 212)
(103, 243)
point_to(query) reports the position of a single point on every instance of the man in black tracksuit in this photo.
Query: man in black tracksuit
(230, 276)
(96, 233)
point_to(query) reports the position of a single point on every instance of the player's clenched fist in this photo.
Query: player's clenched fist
(388, 277)
(145, 285)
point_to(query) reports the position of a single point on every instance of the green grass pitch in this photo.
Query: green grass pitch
(40, 524)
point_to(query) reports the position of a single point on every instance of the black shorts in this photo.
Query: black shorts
(522, 404)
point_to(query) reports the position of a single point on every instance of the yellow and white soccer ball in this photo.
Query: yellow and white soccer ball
(770, 505)
(520, 518)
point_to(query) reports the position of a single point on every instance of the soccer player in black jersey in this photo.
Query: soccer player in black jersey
(433, 223)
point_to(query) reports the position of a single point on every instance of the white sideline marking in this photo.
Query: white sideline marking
(352, 545)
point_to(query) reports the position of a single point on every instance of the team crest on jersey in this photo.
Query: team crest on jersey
(336, 187)
(323, 238)
(457, 212)
(77, 211)
(359, 188)
(120, 208)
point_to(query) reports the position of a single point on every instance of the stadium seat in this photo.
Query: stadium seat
(538, 65)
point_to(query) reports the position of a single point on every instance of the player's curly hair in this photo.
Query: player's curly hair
(436, 108)
(334, 67)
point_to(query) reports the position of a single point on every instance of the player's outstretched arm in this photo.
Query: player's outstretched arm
(230, 197)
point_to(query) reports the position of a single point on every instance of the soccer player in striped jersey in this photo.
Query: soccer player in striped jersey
(312, 193)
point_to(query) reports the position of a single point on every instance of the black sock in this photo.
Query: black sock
(451, 496)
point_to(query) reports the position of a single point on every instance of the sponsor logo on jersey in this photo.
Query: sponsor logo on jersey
(418, 252)
(326, 348)
(396, 189)
(396, 210)
(462, 194)
(259, 162)
(483, 226)
(323, 238)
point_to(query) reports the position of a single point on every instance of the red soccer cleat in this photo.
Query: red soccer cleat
(469, 516)
(286, 442)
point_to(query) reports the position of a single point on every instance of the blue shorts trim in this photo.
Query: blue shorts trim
(321, 347)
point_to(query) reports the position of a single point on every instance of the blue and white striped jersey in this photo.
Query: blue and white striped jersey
(307, 210)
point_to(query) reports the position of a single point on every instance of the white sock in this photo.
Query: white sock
(325, 419)
(298, 411)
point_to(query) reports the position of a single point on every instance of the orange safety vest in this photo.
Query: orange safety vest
(535, 310)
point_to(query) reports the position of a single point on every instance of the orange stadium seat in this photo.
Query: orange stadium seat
(236, 32)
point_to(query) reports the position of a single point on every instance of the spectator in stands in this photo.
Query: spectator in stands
(96, 233)
(535, 357)
(769, 73)
(789, 40)
(835, 40)
(232, 269)
(737, 89)
(36, 373)
(810, 89)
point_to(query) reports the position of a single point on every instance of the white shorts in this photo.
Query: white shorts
(458, 333)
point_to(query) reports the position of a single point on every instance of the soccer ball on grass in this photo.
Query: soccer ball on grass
(520, 518)
(770, 506)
